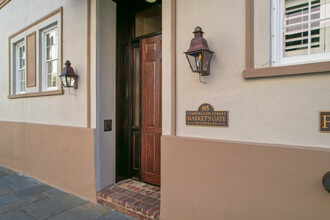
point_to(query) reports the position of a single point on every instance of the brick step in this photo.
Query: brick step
(136, 199)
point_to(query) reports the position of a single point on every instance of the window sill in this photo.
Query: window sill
(37, 94)
(287, 70)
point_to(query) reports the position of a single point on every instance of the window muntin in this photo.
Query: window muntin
(20, 68)
(301, 31)
(50, 58)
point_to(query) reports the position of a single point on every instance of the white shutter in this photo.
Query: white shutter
(297, 30)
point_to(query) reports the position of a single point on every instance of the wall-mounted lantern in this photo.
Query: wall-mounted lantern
(326, 181)
(199, 54)
(68, 77)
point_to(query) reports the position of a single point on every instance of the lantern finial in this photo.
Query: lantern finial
(198, 31)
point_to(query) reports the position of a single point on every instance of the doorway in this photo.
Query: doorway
(138, 91)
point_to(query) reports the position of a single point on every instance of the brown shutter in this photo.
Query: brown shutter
(31, 60)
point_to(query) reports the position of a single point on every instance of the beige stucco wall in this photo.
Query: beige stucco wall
(280, 110)
(69, 110)
(105, 87)
(60, 156)
(166, 71)
(212, 179)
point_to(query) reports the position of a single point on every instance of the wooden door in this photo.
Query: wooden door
(151, 115)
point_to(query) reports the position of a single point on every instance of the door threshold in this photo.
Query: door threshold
(136, 199)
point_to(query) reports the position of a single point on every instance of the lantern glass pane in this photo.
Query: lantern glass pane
(63, 81)
(72, 81)
(68, 81)
(195, 61)
(206, 60)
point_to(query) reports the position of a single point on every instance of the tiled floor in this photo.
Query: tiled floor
(24, 198)
(139, 200)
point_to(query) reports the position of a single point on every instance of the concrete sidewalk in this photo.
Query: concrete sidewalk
(24, 198)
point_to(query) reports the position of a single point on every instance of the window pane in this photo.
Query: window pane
(52, 67)
(52, 73)
(47, 40)
(21, 57)
(54, 52)
(49, 53)
(54, 81)
(321, 37)
(22, 80)
(51, 45)
(49, 80)
(295, 40)
(148, 21)
(22, 74)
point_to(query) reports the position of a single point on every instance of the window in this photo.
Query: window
(20, 67)
(50, 58)
(300, 31)
(148, 21)
(35, 58)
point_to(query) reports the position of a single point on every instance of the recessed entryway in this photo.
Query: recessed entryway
(138, 92)
(138, 111)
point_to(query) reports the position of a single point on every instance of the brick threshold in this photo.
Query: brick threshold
(133, 198)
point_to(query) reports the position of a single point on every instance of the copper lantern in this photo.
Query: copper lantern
(199, 54)
(68, 77)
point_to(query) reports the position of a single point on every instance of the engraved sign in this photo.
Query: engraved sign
(324, 121)
(206, 116)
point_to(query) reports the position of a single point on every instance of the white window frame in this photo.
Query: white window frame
(44, 60)
(18, 75)
(277, 22)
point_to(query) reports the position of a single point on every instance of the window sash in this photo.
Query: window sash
(312, 42)
(20, 68)
(50, 45)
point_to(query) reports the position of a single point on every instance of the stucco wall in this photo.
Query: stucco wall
(64, 109)
(280, 110)
(60, 156)
(105, 71)
(166, 71)
(210, 179)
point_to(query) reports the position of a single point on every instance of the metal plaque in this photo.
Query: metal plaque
(324, 121)
(206, 116)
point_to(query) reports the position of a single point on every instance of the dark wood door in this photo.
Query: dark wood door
(151, 115)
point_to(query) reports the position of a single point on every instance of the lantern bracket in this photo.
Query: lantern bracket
(200, 78)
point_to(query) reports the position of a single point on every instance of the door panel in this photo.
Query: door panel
(151, 125)
(135, 90)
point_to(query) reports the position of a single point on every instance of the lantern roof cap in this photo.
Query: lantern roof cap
(198, 29)
(198, 42)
